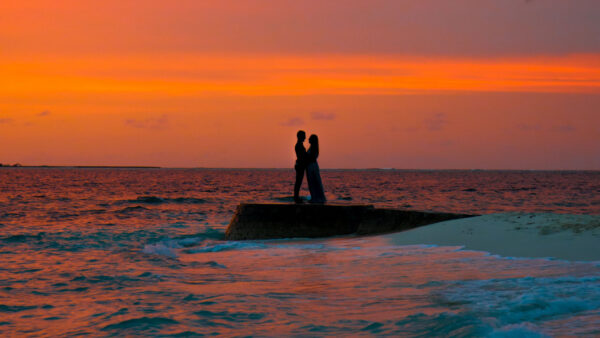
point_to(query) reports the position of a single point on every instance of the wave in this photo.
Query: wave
(218, 246)
(226, 246)
(163, 200)
(22, 238)
(208, 233)
(156, 241)
(502, 308)
(167, 247)
(235, 317)
(547, 297)
(161, 249)
(199, 244)
(142, 323)
(74, 241)
(9, 215)
(131, 209)
(16, 308)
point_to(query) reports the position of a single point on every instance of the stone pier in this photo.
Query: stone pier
(277, 220)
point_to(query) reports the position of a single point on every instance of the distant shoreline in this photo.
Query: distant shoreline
(82, 166)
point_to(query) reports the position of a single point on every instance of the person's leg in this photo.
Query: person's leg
(298, 184)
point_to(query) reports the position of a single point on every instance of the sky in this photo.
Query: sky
(410, 84)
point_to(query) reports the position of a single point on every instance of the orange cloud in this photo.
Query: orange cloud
(264, 75)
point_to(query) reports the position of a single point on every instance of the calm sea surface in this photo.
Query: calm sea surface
(117, 252)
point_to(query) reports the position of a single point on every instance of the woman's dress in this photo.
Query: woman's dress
(313, 177)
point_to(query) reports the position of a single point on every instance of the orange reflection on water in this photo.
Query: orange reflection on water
(141, 252)
(264, 288)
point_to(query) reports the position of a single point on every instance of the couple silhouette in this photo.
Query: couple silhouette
(307, 161)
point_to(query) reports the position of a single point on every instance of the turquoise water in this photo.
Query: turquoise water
(115, 252)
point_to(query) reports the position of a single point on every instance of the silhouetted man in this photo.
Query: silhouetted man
(300, 164)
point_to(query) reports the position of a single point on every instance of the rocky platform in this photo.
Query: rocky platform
(270, 221)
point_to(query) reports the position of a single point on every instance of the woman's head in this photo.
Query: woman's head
(313, 139)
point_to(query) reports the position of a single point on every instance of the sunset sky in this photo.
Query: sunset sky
(432, 84)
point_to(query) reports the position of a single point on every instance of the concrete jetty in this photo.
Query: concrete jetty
(253, 221)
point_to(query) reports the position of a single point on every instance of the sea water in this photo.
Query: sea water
(120, 252)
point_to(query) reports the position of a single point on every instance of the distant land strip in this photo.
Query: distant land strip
(82, 166)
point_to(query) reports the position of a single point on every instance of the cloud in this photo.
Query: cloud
(437, 122)
(567, 128)
(156, 123)
(293, 122)
(44, 113)
(322, 116)
(5, 120)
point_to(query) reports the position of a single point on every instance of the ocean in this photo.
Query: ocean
(126, 252)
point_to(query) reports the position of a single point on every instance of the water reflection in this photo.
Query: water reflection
(140, 252)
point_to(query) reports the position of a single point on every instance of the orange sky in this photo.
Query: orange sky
(227, 84)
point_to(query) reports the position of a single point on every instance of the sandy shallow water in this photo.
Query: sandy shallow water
(568, 237)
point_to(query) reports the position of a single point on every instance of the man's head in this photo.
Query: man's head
(301, 135)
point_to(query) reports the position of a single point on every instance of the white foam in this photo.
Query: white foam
(168, 247)
(516, 301)
(159, 249)
(225, 246)
(189, 241)
(211, 246)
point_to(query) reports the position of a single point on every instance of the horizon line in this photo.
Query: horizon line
(17, 165)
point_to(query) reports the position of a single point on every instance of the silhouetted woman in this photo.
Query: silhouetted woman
(313, 176)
